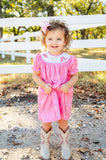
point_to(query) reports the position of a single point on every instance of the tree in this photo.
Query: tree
(41, 7)
(1, 29)
(5, 11)
(32, 8)
(37, 8)
(26, 8)
(82, 7)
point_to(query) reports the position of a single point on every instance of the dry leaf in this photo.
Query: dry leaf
(97, 111)
(16, 143)
(83, 150)
(85, 139)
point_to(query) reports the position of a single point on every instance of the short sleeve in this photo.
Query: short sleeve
(73, 65)
(36, 63)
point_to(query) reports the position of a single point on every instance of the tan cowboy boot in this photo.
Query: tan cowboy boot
(65, 147)
(45, 137)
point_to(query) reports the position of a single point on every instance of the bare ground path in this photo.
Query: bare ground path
(20, 128)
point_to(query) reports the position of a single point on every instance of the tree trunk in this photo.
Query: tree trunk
(1, 32)
(1, 29)
(87, 33)
(50, 10)
(76, 34)
(82, 33)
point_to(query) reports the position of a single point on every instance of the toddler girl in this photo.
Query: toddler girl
(55, 72)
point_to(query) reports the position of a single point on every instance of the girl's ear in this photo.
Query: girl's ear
(65, 43)
(44, 41)
(45, 46)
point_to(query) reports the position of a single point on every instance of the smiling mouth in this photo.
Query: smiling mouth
(54, 46)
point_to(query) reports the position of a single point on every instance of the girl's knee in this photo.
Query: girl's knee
(63, 123)
(46, 126)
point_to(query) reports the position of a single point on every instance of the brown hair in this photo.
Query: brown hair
(56, 24)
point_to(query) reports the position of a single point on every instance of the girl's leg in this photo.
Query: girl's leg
(45, 140)
(63, 124)
(64, 136)
(46, 126)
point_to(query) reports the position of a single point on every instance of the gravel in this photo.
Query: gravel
(20, 130)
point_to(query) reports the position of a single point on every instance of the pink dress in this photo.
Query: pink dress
(55, 70)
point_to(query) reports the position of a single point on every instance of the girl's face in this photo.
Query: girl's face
(55, 41)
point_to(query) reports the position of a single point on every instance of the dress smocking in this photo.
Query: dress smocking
(54, 70)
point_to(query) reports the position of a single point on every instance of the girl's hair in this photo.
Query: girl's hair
(53, 25)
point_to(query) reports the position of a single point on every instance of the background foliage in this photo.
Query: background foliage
(36, 8)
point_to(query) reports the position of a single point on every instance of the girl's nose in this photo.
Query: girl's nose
(54, 41)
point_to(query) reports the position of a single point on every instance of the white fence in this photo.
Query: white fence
(83, 65)
(74, 23)
(26, 45)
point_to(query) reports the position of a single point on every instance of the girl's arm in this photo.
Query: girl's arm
(73, 79)
(40, 82)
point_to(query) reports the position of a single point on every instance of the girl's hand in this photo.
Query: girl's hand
(65, 88)
(47, 88)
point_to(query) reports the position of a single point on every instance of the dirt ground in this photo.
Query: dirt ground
(20, 127)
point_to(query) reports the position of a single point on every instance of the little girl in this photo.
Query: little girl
(55, 72)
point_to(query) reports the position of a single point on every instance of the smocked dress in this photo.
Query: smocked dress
(54, 70)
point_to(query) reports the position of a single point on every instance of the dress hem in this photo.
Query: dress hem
(54, 120)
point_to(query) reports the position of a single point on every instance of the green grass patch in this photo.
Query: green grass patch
(91, 53)
(7, 60)
(95, 78)
(10, 80)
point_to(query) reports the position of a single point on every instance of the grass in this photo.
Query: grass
(15, 78)
(92, 53)
(97, 78)
(7, 60)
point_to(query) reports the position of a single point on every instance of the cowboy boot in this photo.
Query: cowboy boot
(65, 147)
(45, 137)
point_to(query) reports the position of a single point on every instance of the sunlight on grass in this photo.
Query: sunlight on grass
(7, 60)
(96, 76)
(15, 78)
(101, 76)
(92, 53)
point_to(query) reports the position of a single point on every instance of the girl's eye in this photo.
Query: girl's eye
(58, 39)
(50, 39)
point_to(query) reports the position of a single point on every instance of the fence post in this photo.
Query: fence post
(3, 55)
(2, 52)
(28, 59)
(12, 53)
